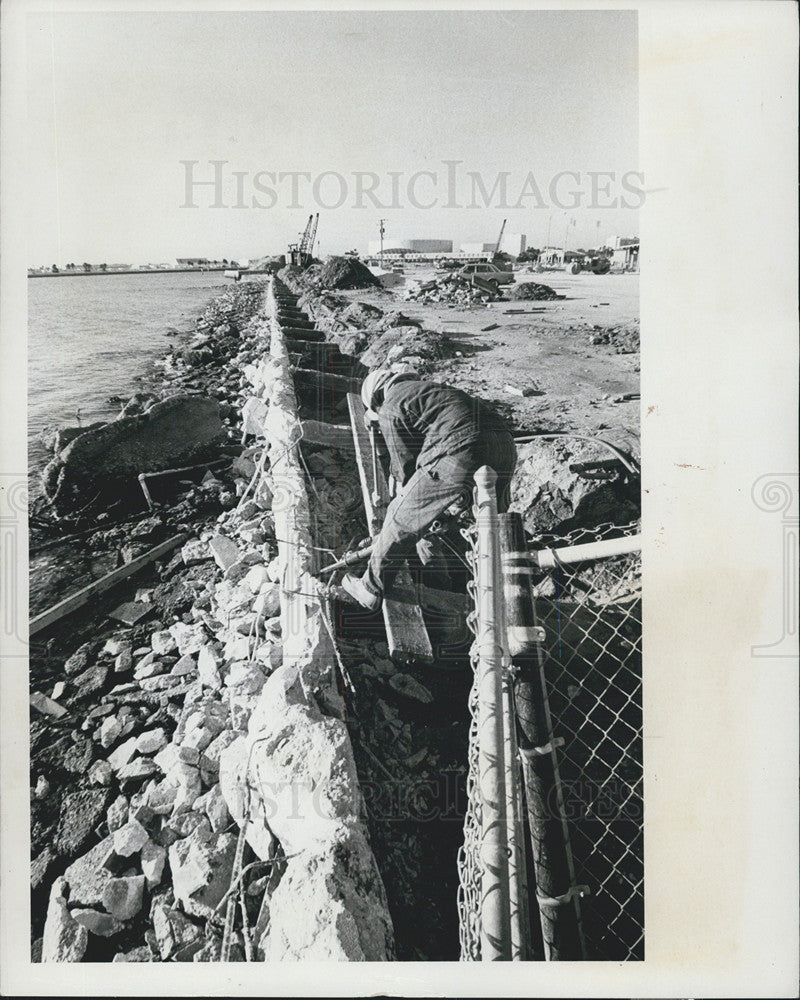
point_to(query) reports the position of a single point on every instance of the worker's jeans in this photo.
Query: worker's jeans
(428, 494)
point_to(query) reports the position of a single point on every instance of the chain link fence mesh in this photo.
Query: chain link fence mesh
(592, 616)
(469, 866)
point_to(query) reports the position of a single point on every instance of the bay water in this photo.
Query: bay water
(90, 336)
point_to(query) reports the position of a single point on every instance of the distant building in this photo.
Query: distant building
(625, 253)
(511, 243)
(400, 247)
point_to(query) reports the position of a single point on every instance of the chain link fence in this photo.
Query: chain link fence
(592, 616)
(469, 865)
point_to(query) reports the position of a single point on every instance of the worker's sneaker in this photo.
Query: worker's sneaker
(358, 590)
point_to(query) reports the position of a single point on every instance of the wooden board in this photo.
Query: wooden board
(302, 332)
(81, 597)
(329, 380)
(405, 627)
(330, 435)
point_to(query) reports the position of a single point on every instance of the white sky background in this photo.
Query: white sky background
(117, 100)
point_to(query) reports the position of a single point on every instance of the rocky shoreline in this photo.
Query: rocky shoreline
(132, 838)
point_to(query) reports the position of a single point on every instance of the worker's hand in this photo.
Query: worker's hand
(392, 486)
(371, 420)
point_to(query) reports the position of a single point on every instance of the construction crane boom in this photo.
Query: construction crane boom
(313, 237)
(500, 237)
(306, 235)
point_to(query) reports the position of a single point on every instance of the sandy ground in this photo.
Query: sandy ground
(544, 347)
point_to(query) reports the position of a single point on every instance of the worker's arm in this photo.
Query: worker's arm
(402, 459)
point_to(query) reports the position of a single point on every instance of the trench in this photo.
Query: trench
(410, 753)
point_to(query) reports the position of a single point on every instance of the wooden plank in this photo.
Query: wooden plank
(302, 332)
(405, 627)
(329, 380)
(320, 347)
(330, 435)
(81, 597)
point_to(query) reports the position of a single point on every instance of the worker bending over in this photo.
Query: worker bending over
(437, 437)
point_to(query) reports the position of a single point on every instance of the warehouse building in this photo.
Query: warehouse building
(395, 247)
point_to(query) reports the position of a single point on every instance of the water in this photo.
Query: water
(89, 337)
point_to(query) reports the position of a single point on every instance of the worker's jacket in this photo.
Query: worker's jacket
(423, 421)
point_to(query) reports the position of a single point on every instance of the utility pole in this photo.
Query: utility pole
(382, 231)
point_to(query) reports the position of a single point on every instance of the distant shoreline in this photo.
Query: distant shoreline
(150, 270)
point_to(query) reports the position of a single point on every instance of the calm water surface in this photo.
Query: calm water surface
(89, 337)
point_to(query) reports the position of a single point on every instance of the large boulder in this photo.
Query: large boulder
(553, 498)
(172, 432)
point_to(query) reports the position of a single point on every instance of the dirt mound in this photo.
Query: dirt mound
(291, 275)
(345, 272)
(624, 339)
(530, 290)
(420, 349)
(361, 315)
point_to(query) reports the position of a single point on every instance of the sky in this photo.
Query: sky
(153, 136)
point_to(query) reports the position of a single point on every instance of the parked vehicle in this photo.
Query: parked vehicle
(489, 273)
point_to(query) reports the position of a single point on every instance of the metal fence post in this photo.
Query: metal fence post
(559, 907)
(495, 890)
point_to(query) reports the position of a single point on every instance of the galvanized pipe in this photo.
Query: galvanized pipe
(550, 558)
(556, 892)
(519, 910)
(495, 889)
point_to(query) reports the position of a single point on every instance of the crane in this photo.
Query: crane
(313, 237)
(300, 253)
(500, 237)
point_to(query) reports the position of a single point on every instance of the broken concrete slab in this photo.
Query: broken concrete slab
(123, 755)
(117, 814)
(195, 551)
(333, 909)
(175, 933)
(138, 770)
(64, 940)
(188, 638)
(169, 433)
(224, 550)
(80, 814)
(151, 742)
(153, 859)
(213, 804)
(122, 897)
(163, 642)
(46, 705)
(185, 667)
(87, 877)
(98, 923)
(201, 871)
(208, 662)
(130, 612)
(130, 838)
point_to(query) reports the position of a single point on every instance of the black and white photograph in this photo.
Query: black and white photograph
(333, 515)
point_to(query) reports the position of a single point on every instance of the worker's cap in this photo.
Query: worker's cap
(374, 386)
